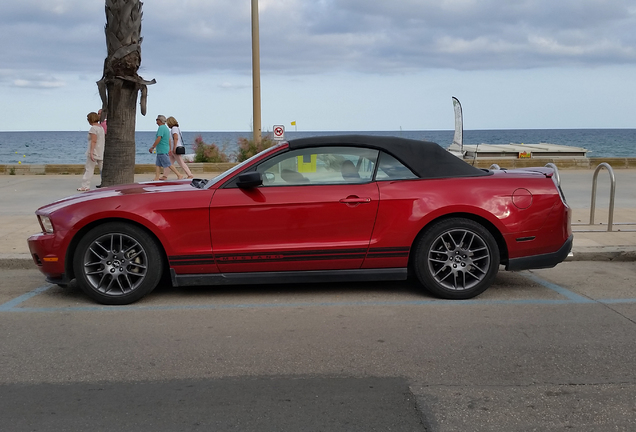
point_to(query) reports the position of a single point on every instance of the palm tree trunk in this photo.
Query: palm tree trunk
(119, 151)
(119, 89)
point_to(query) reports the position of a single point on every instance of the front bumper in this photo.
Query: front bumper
(48, 257)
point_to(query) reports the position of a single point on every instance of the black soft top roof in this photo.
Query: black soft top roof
(426, 159)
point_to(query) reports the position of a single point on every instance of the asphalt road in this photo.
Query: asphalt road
(543, 350)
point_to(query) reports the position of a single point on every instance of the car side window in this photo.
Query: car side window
(320, 166)
(389, 168)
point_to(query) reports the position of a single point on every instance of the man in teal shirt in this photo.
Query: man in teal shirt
(162, 144)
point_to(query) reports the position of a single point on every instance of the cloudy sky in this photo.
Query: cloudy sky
(349, 65)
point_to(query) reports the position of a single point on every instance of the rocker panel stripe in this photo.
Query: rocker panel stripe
(287, 256)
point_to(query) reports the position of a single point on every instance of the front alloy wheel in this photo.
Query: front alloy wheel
(117, 263)
(457, 259)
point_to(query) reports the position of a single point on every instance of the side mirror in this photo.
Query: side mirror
(249, 180)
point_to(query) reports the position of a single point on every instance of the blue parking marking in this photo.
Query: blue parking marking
(12, 304)
(569, 298)
(559, 289)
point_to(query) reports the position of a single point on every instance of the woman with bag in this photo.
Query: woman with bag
(177, 148)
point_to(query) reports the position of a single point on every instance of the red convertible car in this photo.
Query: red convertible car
(337, 208)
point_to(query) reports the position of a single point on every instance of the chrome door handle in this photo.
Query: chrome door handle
(355, 200)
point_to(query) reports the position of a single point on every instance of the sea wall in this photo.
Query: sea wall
(561, 163)
(76, 169)
(203, 168)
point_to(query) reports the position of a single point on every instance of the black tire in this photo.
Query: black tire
(117, 263)
(456, 259)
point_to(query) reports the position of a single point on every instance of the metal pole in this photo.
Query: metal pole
(256, 74)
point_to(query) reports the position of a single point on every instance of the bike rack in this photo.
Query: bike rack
(610, 217)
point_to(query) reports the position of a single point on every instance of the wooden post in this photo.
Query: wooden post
(256, 75)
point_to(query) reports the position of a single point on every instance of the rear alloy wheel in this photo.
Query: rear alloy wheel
(117, 263)
(456, 259)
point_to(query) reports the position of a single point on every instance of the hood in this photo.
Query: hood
(117, 191)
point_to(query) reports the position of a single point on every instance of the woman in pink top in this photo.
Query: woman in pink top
(102, 123)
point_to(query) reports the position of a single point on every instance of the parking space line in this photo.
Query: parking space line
(559, 289)
(11, 304)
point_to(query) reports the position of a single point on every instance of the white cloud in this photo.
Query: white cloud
(29, 79)
(42, 84)
(231, 86)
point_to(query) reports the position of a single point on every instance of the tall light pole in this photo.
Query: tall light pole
(256, 75)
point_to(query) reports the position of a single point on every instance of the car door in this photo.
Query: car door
(315, 211)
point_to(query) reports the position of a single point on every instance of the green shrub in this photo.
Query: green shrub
(247, 148)
(208, 152)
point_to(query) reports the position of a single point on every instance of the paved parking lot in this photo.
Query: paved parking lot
(543, 350)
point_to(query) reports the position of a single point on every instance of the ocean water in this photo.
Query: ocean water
(70, 147)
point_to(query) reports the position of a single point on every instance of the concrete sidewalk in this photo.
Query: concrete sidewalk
(21, 195)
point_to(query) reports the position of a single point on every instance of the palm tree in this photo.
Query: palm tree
(119, 89)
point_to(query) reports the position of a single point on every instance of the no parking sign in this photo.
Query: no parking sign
(279, 132)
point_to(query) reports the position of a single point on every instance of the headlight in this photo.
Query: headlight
(45, 223)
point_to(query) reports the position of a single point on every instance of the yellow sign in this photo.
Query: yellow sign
(307, 163)
(525, 155)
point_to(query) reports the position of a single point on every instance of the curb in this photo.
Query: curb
(589, 253)
(603, 253)
(16, 262)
